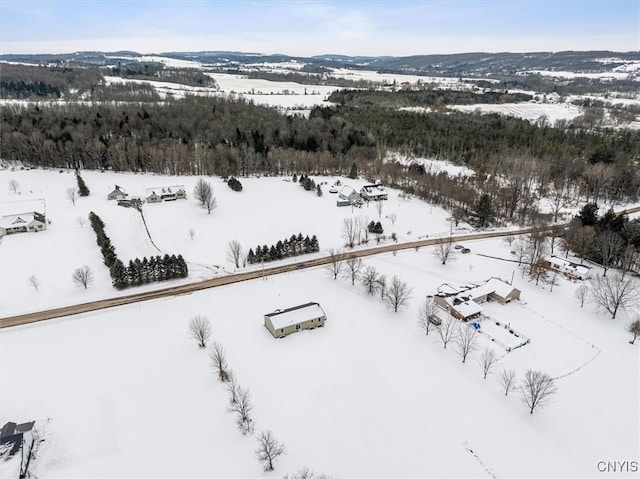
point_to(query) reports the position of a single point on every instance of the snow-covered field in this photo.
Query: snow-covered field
(268, 210)
(126, 392)
(529, 111)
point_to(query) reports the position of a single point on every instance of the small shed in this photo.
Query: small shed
(281, 323)
(16, 441)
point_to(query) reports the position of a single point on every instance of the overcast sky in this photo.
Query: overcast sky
(298, 27)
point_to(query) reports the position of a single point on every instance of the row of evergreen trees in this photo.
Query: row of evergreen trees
(83, 190)
(145, 271)
(139, 271)
(107, 249)
(294, 246)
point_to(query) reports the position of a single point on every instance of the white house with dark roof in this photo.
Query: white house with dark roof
(281, 323)
(16, 444)
(22, 223)
(375, 192)
(165, 193)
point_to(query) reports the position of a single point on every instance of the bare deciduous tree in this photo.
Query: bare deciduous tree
(202, 191)
(269, 449)
(520, 249)
(613, 294)
(428, 315)
(443, 250)
(350, 231)
(232, 387)
(379, 207)
(211, 204)
(369, 279)
(234, 253)
(393, 217)
(81, 221)
(487, 360)
(200, 330)
(354, 265)
(335, 262)
(242, 408)
(634, 329)
(192, 233)
(219, 362)
(582, 293)
(72, 195)
(508, 380)
(382, 286)
(34, 281)
(14, 186)
(607, 246)
(537, 388)
(465, 340)
(447, 330)
(82, 276)
(397, 293)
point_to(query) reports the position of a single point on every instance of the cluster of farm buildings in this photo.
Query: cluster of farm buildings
(152, 195)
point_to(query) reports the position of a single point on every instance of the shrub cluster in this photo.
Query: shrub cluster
(294, 246)
(307, 183)
(234, 184)
(375, 228)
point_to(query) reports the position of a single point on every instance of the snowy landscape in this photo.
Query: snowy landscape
(231, 264)
(368, 395)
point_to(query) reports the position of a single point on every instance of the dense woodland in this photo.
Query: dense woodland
(127, 128)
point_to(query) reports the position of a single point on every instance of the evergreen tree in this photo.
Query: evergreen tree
(119, 275)
(82, 187)
(183, 269)
(294, 178)
(353, 173)
(318, 190)
(251, 257)
(482, 213)
(588, 215)
(315, 246)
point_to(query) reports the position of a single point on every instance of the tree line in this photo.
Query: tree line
(138, 271)
(293, 246)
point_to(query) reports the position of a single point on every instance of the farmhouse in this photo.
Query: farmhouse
(347, 196)
(16, 443)
(281, 323)
(375, 192)
(464, 303)
(22, 223)
(566, 267)
(118, 193)
(165, 193)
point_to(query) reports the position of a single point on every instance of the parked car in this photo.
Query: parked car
(466, 250)
(458, 246)
(333, 189)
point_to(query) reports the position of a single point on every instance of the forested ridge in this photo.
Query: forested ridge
(516, 161)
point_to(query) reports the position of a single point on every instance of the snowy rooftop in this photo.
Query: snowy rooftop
(164, 189)
(295, 315)
(14, 220)
(467, 308)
